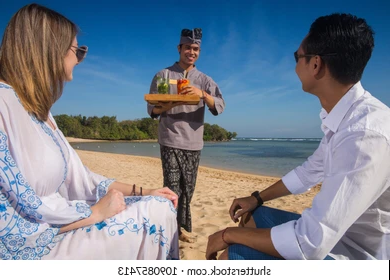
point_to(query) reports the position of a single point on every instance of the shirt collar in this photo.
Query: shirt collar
(177, 67)
(333, 119)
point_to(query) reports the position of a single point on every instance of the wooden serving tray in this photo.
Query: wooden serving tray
(188, 99)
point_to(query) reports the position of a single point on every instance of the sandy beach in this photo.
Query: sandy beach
(214, 192)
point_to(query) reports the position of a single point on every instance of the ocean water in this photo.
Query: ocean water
(260, 156)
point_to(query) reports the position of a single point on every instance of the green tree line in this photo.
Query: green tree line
(108, 128)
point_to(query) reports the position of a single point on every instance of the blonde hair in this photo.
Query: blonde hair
(35, 43)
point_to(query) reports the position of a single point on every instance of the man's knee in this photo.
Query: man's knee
(247, 220)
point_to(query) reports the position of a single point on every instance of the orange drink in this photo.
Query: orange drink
(181, 83)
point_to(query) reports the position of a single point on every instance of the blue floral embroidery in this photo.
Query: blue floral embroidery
(31, 213)
(35, 119)
(57, 238)
(2, 85)
(3, 142)
(27, 254)
(4, 253)
(21, 180)
(83, 208)
(14, 242)
(8, 158)
(119, 228)
(114, 226)
(100, 225)
(2, 207)
(45, 238)
(102, 188)
(132, 199)
(41, 251)
(29, 197)
(4, 203)
(27, 226)
(152, 229)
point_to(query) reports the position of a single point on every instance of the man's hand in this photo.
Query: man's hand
(191, 90)
(164, 192)
(162, 107)
(242, 205)
(214, 245)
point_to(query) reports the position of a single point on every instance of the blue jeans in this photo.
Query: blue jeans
(264, 217)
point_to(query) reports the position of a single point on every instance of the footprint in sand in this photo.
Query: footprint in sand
(199, 230)
(209, 226)
(202, 211)
(223, 205)
(208, 202)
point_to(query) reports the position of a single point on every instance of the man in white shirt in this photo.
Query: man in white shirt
(350, 216)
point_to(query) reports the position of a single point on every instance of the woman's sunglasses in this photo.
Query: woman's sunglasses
(80, 52)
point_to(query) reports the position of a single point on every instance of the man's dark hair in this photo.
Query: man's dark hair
(349, 37)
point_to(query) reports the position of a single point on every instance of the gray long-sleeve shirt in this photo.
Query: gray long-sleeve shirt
(182, 126)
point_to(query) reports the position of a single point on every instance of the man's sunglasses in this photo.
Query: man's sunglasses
(188, 33)
(298, 56)
(80, 52)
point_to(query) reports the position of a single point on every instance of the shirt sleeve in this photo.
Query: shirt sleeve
(357, 174)
(102, 183)
(213, 89)
(310, 173)
(18, 198)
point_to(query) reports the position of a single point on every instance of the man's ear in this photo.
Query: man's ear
(179, 48)
(317, 65)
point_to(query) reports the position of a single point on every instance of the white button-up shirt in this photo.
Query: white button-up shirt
(350, 216)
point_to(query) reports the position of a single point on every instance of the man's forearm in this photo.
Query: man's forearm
(164, 106)
(255, 238)
(209, 100)
(274, 191)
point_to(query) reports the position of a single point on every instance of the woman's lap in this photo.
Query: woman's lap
(146, 229)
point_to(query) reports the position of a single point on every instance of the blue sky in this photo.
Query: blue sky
(247, 49)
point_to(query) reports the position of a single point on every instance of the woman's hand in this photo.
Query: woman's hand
(164, 192)
(109, 205)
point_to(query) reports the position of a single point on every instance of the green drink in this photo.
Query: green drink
(162, 85)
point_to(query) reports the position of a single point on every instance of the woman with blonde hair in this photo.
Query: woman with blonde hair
(51, 205)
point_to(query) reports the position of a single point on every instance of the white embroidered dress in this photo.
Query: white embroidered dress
(43, 185)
